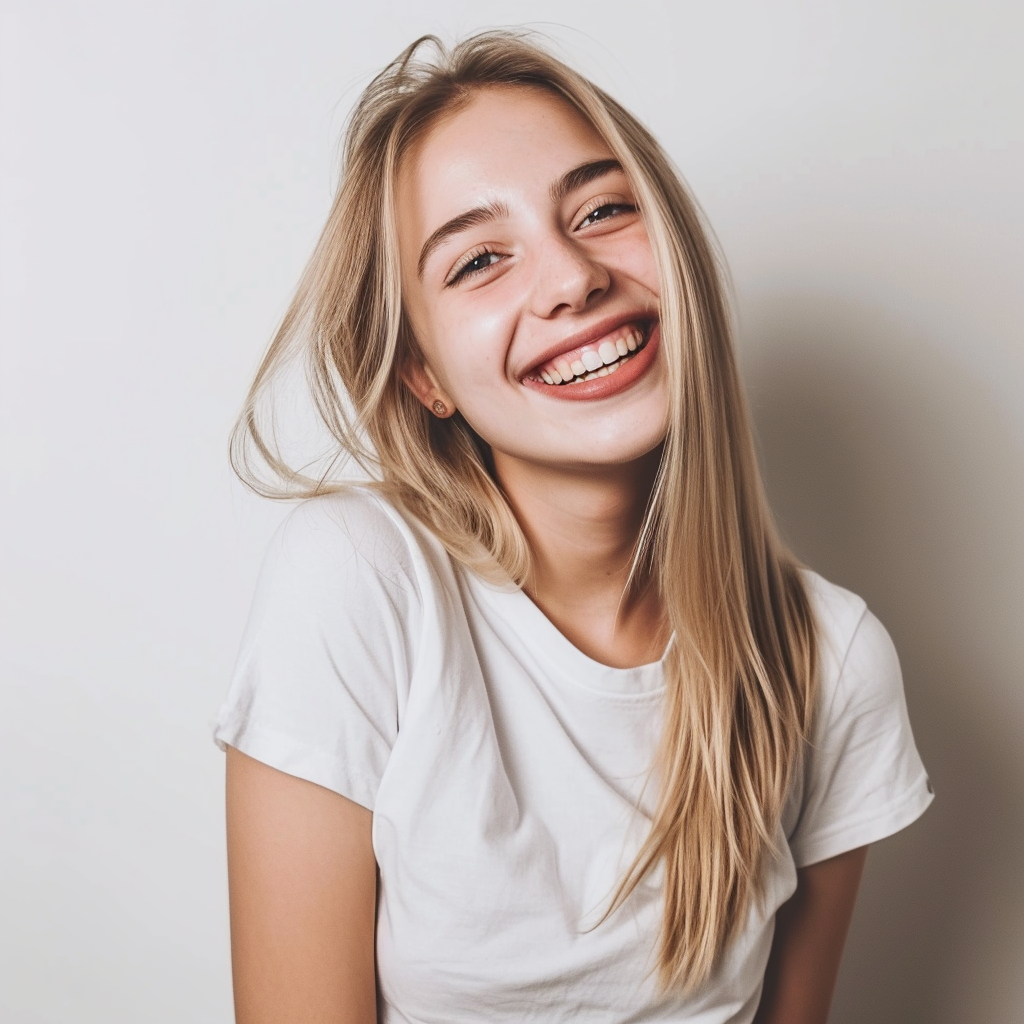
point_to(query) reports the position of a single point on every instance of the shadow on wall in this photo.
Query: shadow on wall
(891, 474)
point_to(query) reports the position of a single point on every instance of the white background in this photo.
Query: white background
(166, 168)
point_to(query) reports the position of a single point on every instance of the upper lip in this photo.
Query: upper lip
(588, 335)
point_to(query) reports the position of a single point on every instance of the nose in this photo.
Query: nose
(566, 278)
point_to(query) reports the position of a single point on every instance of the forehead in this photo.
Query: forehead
(506, 142)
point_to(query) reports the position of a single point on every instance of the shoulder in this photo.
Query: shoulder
(351, 523)
(323, 670)
(349, 550)
(837, 611)
(351, 535)
(858, 664)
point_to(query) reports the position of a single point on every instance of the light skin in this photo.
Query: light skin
(578, 473)
(554, 251)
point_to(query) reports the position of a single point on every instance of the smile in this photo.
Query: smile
(593, 360)
(599, 368)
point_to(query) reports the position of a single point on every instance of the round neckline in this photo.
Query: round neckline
(533, 629)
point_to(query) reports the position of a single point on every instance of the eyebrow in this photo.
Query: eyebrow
(582, 175)
(566, 184)
(478, 215)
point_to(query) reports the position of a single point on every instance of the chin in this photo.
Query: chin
(613, 455)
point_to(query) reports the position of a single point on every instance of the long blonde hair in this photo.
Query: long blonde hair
(741, 671)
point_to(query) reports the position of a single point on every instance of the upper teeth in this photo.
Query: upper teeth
(592, 362)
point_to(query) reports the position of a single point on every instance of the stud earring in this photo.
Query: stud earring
(439, 407)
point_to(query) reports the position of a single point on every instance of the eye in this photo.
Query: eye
(605, 211)
(473, 264)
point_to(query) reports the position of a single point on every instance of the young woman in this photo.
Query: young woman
(542, 722)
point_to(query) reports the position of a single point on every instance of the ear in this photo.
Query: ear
(420, 380)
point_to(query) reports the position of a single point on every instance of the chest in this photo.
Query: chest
(515, 797)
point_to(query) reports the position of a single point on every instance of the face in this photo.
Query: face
(530, 284)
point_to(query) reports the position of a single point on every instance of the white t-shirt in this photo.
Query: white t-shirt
(506, 772)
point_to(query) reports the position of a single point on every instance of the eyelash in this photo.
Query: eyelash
(604, 204)
(462, 271)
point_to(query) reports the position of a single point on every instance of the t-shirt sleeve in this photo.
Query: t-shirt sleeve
(324, 660)
(862, 779)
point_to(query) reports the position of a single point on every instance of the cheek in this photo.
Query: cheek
(635, 260)
(645, 269)
(472, 348)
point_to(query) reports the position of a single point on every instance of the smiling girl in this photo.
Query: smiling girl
(543, 722)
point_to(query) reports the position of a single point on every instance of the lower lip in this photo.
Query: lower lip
(611, 384)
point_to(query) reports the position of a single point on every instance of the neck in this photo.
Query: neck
(582, 527)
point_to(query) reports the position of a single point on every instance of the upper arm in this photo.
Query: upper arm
(862, 777)
(302, 882)
(810, 932)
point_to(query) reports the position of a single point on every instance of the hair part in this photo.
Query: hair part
(741, 672)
